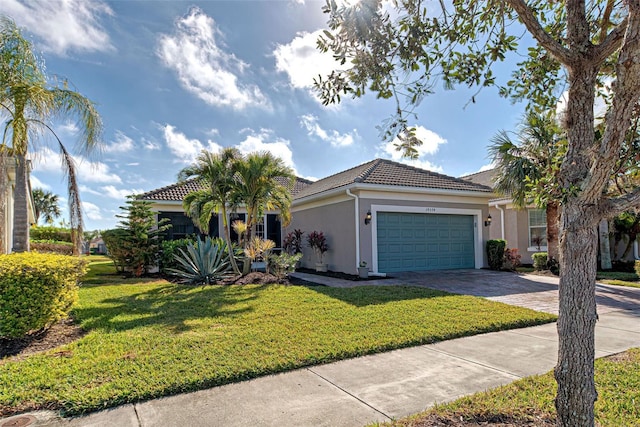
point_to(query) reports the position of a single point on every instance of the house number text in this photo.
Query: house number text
(431, 210)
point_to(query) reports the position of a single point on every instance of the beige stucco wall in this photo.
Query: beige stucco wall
(516, 230)
(336, 220)
(335, 217)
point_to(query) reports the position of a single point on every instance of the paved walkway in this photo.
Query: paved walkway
(389, 385)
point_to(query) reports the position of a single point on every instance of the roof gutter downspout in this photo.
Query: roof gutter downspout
(357, 210)
(501, 221)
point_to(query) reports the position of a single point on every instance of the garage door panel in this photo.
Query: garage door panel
(418, 242)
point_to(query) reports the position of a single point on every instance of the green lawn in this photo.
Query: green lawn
(150, 338)
(531, 399)
(619, 278)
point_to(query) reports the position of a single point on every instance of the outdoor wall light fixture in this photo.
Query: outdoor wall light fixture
(367, 218)
(487, 222)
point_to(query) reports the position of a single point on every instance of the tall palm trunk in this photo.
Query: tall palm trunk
(21, 207)
(553, 218)
(227, 237)
(4, 190)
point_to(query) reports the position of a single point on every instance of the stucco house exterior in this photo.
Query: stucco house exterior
(395, 218)
(523, 229)
(6, 243)
(392, 216)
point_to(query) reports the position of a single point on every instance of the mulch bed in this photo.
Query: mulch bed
(63, 332)
(340, 275)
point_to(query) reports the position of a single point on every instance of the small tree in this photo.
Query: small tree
(141, 242)
(292, 243)
(318, 242)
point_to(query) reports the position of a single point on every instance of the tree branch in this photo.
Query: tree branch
(614, 206)
(562, 54)
(611, 43)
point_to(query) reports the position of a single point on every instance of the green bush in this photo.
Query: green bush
(495, 253)
(169, 248)
(52, 246)
(50, 233)
(282, 265)
(539, 261)
(203, 263)
(636, 267)
(36, 290)
(116, 242)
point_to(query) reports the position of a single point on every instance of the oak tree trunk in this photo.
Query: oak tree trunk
(21, 207)
(576, 322)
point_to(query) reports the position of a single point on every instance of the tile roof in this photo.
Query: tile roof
(483, 178)
(389, 173)
(176, 192)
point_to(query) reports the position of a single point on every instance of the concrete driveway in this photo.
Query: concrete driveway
(525, 290)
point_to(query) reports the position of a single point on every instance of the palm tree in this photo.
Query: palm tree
(216, 172)
(264, 182)
(524, 168)
(28, 103)
(46, 205)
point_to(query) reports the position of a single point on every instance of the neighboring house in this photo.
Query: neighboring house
(6, 243)
(395, 218)
(523, 229)
(167, 202)
(97, 246)
(392, 216)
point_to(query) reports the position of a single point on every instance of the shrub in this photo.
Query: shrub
(292, 243)
(539, 261)
(495, 253)
(636, 267)
(50, 233)
(51, 246)
(36, 290)
(511, 259)
(203, 263)
(169, 248)
(135, 245)
(282, 265)
(318, 242)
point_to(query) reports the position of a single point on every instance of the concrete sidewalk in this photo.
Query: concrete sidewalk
(358, 391)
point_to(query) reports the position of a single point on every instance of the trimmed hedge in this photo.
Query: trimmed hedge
(495, 253)
(539, 261)
(62, 248)
(636, 267)
(36, 290)
(50, 233)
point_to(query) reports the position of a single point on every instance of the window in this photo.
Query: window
(537, 229)
(182, 226)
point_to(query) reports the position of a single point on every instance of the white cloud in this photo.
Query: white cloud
(203, 67)
(36, 183)
(122, 144)
(303, 62)
(62, 25)
(133, 164)
(150, 145)
(120, 194)
(486, 167)
(184, 149)
(335, 138)
(265, 141)
(92, 211)
(46, 160)
(431, 142)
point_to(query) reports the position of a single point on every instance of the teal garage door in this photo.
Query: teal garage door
(419, 242)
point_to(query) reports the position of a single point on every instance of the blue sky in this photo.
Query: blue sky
(173, 77)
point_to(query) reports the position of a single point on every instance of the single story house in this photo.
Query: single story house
(6, 232)
(392, 216)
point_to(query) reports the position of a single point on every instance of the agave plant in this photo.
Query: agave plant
(203, 263)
